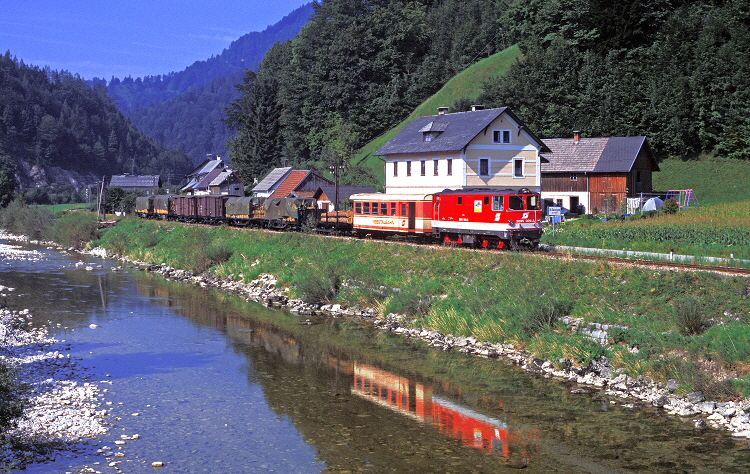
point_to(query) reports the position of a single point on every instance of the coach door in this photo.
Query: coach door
(412, 215)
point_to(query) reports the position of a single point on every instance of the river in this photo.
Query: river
(211, 383)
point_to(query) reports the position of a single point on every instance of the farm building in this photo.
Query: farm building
(149, 184)
(482, 148)
(587, 174)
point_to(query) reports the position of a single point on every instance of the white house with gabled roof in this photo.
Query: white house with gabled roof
(482, 148)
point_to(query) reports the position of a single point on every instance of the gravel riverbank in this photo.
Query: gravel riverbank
(63, 408)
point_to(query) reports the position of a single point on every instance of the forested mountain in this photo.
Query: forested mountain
(185, 109)
(675, 70)
(52, 122)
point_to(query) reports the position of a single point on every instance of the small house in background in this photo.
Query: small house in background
(327, 196)
(587, 174)
(227, 182)
(195, 177)
(148, 184)
(283, 182)
(482, 148)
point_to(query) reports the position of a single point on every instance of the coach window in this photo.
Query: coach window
(497, 203)
(518, 168)
(393, 208)
(484, 167)
(365, 208)
(384, 208)
(408, 168)
(375, 208)
(422, 167)
(358, 208)
(515, 203)
(435, 167)
(403, 209)
(395, 168)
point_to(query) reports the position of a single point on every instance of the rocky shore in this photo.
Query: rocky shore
(63, 408)
(733, 416)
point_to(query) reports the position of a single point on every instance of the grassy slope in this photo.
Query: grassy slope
(713, 180)
(465, 85)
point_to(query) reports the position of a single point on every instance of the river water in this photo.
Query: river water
(211, 383)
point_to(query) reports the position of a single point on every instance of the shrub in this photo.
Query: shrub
(670, 206)
(544, 313)
(12, 401)
(318, 285)
(74, 229)
(689, 315)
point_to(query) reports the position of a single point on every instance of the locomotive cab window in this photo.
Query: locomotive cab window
(497, 203)
(486, 200)
(515, 203)
(533, 203)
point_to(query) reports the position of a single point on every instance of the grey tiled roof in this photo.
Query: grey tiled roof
(458, 129)
(134, 181)
(346, 191)
(271, 179)
(600, 155)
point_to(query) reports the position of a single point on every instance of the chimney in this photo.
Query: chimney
(442, 110)
(576, 136)
(476, 107)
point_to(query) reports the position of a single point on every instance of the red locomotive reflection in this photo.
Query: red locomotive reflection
(417, 401)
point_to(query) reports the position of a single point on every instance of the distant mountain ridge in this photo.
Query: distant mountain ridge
(184, 110)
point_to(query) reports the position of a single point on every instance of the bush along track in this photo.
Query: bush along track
(599, 372)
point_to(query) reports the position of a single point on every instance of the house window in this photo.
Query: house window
(638, 176)
(395, 168)
(497, 203)
(408, 168)
(501, 136)
(450, 166)
(484, 167)
(518, 168)
(422, 167)
(435, 167)
(428, 137)
(573, 177)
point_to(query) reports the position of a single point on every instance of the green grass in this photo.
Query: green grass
(495, 296)
(713, 180)
(465, 85)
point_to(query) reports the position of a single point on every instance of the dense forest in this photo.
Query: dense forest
(55, 119)
(674, 70)
(184, 110)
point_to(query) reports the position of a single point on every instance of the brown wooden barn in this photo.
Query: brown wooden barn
(584, 175)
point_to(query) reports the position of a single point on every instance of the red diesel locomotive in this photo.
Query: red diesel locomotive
(478, 217)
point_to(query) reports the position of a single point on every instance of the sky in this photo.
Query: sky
(106, 38)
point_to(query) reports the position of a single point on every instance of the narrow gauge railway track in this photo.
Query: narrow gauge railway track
(655, 264)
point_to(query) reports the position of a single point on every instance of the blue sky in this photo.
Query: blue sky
(135, 38)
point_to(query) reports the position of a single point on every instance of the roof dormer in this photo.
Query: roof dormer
(433, 130)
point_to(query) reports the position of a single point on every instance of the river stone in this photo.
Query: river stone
(706, 407)
(695, 397)
(672, 385)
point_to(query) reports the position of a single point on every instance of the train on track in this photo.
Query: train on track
(476, 217)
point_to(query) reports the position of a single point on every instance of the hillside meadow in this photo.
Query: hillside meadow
(670, 323)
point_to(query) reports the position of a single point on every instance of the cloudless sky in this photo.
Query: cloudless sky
(105, 38)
